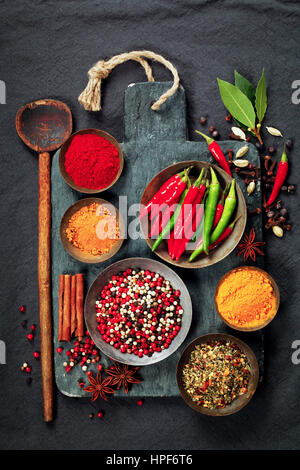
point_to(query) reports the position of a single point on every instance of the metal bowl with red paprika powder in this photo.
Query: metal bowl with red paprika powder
(91, 161)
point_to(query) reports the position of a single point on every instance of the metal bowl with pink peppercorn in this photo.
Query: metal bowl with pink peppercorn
(101, 281)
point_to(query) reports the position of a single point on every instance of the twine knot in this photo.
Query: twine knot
(99, 71)
(90, 98)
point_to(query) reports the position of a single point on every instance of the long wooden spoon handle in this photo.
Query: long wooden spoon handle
(44, 282)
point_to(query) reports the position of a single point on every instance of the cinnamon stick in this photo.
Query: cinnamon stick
(73, 305)
(79, 306)
(66, 336)
(60, 306)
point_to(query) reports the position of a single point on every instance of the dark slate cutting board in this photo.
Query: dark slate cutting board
(152, 141)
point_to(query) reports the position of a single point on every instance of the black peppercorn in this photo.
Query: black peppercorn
(271, 150)
(211, 129)
(203, 120)
(215, 134)
(270, 214)
(289, 144)
(284, 188)
(291, 188)
(278, 205)
(28, 380)
(283, 212)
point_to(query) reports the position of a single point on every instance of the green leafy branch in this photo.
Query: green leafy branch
(246, 105)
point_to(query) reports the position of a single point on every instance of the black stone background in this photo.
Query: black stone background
(46, 49)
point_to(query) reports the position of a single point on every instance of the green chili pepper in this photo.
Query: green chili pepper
(170, 225)
(210, 209)
(229, 207)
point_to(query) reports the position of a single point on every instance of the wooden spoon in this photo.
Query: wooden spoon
(44, 125)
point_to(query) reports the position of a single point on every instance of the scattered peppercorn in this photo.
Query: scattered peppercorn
(271, 150)
(28, 369)
(24, 322)
(228, 118)
(291, 188)
(216, 135)
(211, 129)
(29, 380)
(91, 415)
(30, 336)
(140, 402)
(32, 327)
(289, 144)
(100, 414)
(36, 354)
(22, 308)
(59, 350)
(203, 120)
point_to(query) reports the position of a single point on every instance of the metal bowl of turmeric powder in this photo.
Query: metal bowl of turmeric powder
(247, 298)
(91, 161)
(92, 230)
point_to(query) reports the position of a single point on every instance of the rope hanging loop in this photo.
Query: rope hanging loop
(90, 98)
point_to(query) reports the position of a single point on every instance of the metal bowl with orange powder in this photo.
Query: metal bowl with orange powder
(92, 230)
(247, 298)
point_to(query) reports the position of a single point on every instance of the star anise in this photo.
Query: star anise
(249, 247)
(122, 376)
(99, 387)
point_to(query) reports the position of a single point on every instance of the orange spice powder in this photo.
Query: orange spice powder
(246, 298)
(93, 229)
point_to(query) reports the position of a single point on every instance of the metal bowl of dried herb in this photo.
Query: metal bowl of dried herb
(217, 374)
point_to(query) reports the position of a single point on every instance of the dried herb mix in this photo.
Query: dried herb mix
(216, 374)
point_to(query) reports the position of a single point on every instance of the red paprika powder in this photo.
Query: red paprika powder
(92, 161)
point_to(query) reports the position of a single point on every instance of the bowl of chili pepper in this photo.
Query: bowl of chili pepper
(217, 374)
(91, 161)
(193, 214)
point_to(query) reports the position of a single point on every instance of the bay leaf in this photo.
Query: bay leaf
(245, 86)
(261, 97)
(238, 104)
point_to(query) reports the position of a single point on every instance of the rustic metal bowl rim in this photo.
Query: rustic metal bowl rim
(276, 293)
(240, 402)
(131, 359)
(243, 209)
(69, 247)
(67, 177)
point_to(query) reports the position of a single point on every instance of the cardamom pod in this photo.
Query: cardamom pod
(250, 187)
(274, 131)
(241, 163)
(278, 231)
(237, 131)
(242, 151)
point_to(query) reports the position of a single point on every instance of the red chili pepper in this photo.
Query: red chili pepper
(216, 152)
(171, 196)
(280, 177)
(190, 225)
(170, 242)
(185, 218)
